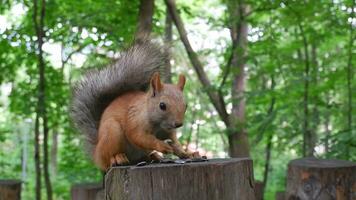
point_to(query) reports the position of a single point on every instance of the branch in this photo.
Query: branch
(261, 9)
(214, 97)
(34, 17)
(228, 65)
(81, 47)
(145, 16)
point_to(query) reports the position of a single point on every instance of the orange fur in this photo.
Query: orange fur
(134, 122)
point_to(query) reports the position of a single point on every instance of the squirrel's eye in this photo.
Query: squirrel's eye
(162, 106)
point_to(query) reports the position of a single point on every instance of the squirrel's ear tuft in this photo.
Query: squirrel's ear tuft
(156, 83)
(181, 82)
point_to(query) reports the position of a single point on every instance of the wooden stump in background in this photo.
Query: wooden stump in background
(86, 191)
(259, 188)
(318, 179)
(218, 179)
(10, 190)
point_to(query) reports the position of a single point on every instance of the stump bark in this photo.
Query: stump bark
(87, 191)
(10, 190)
(215, 179)
(317, 179)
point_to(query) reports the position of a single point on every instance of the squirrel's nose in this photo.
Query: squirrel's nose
(177, 125)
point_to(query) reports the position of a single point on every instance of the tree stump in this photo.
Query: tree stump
(10, 190)
(317, 179)
(259, 190)
(214, 179)
(86, 191)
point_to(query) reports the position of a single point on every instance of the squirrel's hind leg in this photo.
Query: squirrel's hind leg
(119, 159)
(110, 146)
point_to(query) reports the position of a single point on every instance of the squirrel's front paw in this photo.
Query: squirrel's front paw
(164, 148)
(194, 154)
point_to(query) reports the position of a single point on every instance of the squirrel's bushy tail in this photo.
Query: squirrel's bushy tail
(94, 92)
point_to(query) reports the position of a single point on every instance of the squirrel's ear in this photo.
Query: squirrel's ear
(181, 81)
(156, 83)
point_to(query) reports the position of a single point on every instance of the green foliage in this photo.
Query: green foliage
(88, 34)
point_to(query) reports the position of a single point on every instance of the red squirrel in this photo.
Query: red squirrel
(126, 112)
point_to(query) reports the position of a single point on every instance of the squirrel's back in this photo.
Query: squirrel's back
(98, 88)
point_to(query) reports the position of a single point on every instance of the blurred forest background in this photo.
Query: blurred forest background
(270, 79)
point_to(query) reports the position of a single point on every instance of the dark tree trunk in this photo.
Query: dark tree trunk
(318, 179)
(269, 138)
(327, 136)
(326, 123)
(268, 159)
(41, 109)
(145, 15)
(314, 95)
(308, 146)
(214, 179)
(54, 150)
(197, 137)
(350, 77)
(45, 157)
(37, 159)
(308, 149)
(168, 41)
(37, 127)
(238, 140)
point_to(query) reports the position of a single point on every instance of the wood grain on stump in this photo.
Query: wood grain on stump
(10, 189)
(318, 179)
(218, 179)
(86, 191)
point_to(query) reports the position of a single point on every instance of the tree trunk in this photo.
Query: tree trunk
(37, 159)
(215, 97)
(45, 156)
(197, 137)
(318, 179)
(25, 132)
(145, 16)
(349, 78)
(214, 179)
(314, 95)
(238, 140)
(54, 150)
(326, 125)
(308, 150)
(270, 135)
(168, 41)
(37, 129)
(308, 147)
(41, 107)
